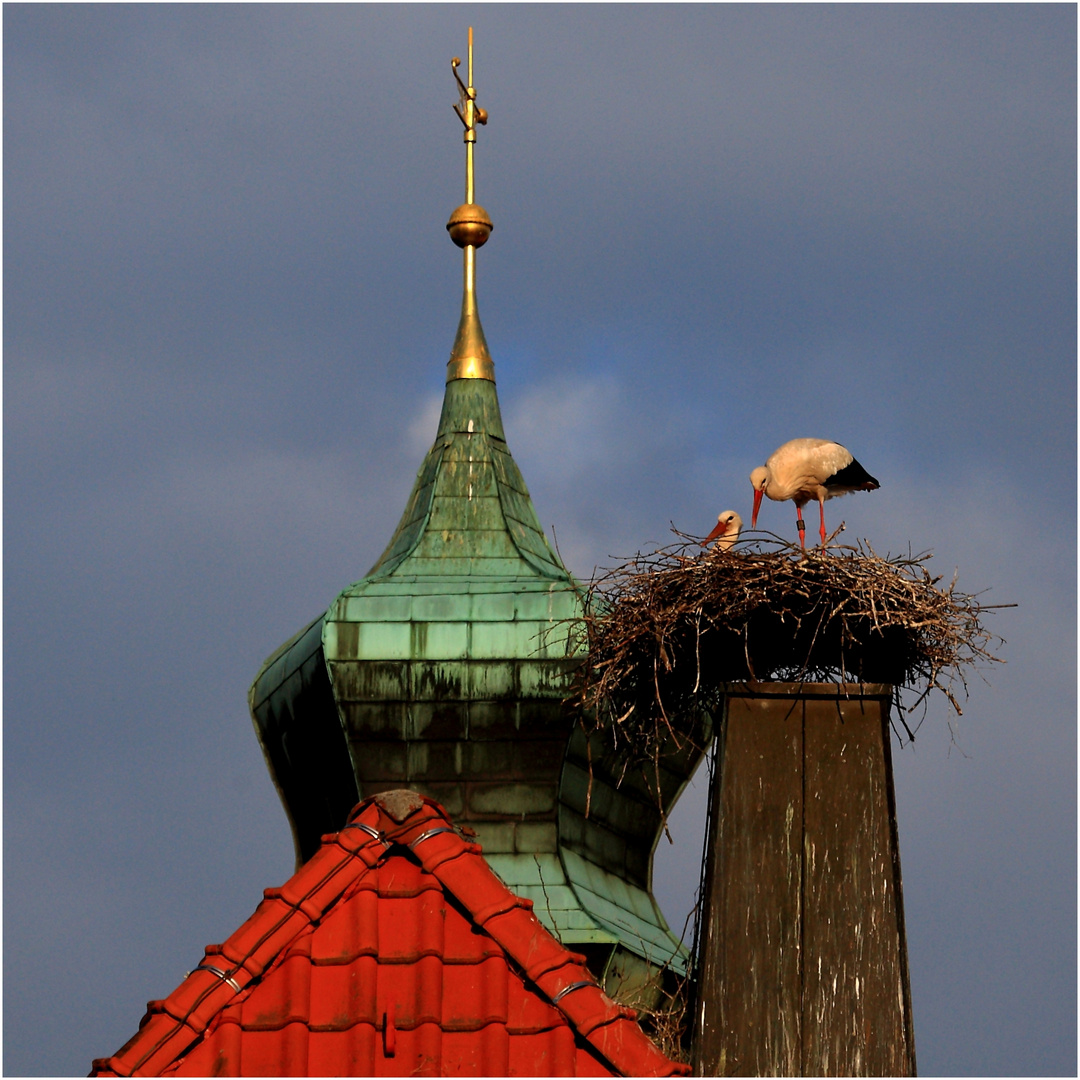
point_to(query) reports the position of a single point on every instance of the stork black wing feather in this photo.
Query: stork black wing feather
(853, 476)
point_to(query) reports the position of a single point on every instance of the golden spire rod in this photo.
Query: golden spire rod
(469, 227)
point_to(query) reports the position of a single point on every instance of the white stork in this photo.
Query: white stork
(728, 527)
(806, 469)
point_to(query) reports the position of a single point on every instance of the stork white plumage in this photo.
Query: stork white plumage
(806, 469)
(728, 527)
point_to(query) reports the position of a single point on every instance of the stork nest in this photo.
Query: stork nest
(668, 629)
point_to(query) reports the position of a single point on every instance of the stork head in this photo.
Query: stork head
(760, 479)
(728, 527)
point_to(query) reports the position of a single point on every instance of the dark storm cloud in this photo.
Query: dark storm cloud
(228, 301)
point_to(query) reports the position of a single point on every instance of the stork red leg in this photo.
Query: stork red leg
(801, 526)
(821, 503)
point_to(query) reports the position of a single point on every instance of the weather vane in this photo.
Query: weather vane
(469, 227)
(470, 114)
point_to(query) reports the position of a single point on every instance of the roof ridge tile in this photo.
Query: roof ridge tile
(523, 936)
(250, 961)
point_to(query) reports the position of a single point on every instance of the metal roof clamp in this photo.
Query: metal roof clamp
(373, 833)
(220, 974)
(569, 990)
(430, 833)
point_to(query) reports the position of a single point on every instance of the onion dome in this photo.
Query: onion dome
(444, 670)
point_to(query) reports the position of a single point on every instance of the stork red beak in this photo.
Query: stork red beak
(721, 528)
(757, 507)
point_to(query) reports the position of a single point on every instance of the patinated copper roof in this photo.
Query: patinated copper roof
(395, 950)
(445, 669)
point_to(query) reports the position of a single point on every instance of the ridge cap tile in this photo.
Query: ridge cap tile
(277, 1002)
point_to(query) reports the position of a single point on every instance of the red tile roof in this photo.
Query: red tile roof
(395, 950)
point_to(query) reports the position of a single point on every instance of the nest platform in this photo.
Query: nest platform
(670, 629)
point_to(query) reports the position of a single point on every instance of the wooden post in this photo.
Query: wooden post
(802, 966)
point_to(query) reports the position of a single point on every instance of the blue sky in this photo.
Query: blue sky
(229, 299)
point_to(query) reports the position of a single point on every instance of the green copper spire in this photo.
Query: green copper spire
(445, 669)
(470, 512)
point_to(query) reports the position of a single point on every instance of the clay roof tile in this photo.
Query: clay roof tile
(395, 949)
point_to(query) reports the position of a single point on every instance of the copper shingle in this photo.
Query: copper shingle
(395, 950)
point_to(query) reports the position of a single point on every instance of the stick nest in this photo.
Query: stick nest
(668, 629)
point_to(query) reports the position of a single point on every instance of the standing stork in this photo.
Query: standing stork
(806, 469)
(728, 527)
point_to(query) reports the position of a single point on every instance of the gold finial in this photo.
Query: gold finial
(469, 227)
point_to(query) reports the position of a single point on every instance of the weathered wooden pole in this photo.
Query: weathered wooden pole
(803, 956)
